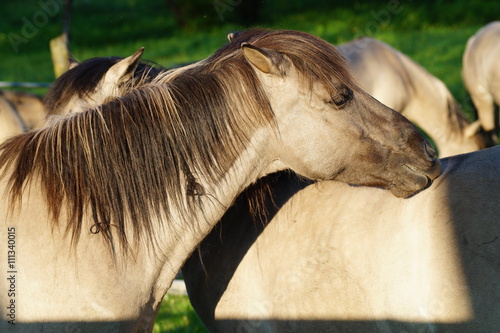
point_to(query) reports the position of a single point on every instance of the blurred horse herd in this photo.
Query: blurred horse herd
(296, 255)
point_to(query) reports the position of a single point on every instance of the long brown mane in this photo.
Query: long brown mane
(141, 155)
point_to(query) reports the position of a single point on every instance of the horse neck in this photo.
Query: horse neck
(252, 164)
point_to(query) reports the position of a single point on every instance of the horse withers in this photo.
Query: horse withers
(106, 205)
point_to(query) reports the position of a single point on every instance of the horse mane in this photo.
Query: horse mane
(315, 59)
(141, 155)
(457, 118)
(459, 122)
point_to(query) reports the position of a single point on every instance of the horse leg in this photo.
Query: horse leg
(483, 101)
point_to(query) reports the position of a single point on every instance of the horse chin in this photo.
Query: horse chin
(415, 180)
(421, 183)
(402, 193)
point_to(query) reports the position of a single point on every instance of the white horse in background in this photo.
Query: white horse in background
(29, 107)
(11, 122)
(107, 204)
(402, 84)
(481, 74)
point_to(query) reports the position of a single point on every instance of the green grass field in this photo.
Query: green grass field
(433, 33)
(177, 315)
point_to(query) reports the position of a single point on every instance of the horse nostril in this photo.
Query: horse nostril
(430, 150)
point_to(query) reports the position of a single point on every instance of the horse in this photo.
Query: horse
(104, 79)
(29, 107)
(402, 84)
(234, 278)
(329, 257)
(92, 82)
(481, 74)
(11, 122)
(102, 208)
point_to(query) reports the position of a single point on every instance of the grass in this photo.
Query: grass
(433, 33)
(177, 315)
(121, 27)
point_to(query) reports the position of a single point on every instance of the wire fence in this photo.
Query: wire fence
(5, 84)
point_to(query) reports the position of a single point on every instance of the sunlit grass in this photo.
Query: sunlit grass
(177, 315)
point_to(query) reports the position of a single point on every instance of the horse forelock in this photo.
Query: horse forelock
(315, 59)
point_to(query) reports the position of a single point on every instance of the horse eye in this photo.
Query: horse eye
(341, 99)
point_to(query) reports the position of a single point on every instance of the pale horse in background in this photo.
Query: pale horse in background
(481, 74)
(11, 122)
(110, 202)
(402, 84)
(19, 111)
(29, 107)
(92, 82)
(89, 84)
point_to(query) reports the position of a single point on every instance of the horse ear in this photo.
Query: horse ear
(232, 35)
(72, 63)
(266, 60)
(472, 129)
(124, 69)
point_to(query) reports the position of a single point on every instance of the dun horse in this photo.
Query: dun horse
(329, 279)
(11, 122)
(19, 111)
(92, 82)
(400, 83)
(481, 74)
(29, 107)
(335, 258)
(104, 207)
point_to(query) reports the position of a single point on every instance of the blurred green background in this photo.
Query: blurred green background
(433, 33)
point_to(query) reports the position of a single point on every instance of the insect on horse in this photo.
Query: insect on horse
(481, 74)
(107, 204)
(400, 83)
